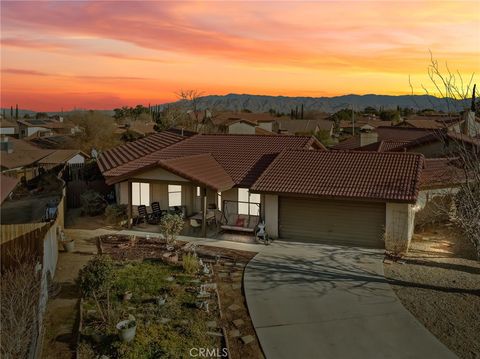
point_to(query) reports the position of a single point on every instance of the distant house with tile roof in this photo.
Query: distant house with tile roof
(301, 190)
(20, 158)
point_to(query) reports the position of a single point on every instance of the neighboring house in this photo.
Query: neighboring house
(440, 181)
(69, 157)
(20, 159)
(51, 142)
(238, 122)
(8, 128)
(382, 133)
(302, 191)
(361, 123)
(7, 185)
(303, 127)
(45, 127)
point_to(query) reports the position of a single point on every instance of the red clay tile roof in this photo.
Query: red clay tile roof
(401, 134)
(133, 150)
(392, 177)
(7, 184)
(384, 146)
(243, 157)
(441, 173)
(203, 169)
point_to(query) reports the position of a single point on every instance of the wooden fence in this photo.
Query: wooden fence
(12, 231)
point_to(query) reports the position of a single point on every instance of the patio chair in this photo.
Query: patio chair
(156, 210)
(144, 216)
(195, 224)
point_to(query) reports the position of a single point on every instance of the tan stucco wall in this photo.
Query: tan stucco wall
(241, 129)
(271, 215)
(399, 226)
(159, 174)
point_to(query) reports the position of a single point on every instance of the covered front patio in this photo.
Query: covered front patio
(196, 187)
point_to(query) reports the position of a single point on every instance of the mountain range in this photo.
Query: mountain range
(284, 104)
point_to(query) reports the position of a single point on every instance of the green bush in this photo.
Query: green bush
(170, 226)
(115, 213)
(190, 263)
(93, 203)
(95, 281)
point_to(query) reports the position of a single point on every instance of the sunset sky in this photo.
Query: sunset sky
(101, 54)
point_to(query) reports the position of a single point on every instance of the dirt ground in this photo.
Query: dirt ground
(439, 283)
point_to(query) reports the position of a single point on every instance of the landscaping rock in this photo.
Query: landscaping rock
(238, 322)
(169, 279)
(247, 339)
(215, 334)
(210, 286)
(167, 254)
(212, 324)
(234, 307)
(234, 333)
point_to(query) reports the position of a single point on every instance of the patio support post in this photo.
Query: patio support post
(204, 213)
(130, 208)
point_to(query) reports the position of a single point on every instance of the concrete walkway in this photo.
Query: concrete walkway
(321, 301)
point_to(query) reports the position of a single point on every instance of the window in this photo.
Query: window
(219, 200)
(198, 191)
(174, 195)
(140, 193)
(248, 202)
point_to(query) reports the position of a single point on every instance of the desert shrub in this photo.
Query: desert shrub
(95, 280)
(93, 203)
(190, 263)
(115, 213)
(170, 226)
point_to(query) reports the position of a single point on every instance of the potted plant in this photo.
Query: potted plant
(127, 329)
(68, 245)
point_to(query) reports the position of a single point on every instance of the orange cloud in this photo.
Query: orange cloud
(285, 48)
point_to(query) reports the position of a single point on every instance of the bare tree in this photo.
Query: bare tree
(190, 100)
(462, 147)
(19, 307)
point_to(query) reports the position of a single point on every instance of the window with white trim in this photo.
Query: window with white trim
(219, 200)
(248, 203)
(174, 195)
(140, 193)
(198, 191)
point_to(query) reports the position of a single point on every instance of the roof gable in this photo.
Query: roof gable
(243, 157)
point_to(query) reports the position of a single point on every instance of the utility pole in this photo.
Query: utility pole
(353, 121)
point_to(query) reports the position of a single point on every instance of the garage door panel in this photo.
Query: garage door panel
(340, 222)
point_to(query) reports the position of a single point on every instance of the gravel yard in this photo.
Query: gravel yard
(439, 283)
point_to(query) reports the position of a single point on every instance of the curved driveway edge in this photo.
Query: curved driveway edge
(325, 301)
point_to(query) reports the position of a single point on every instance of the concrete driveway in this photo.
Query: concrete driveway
(322, 301)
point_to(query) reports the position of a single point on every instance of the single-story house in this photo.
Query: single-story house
(45, 127)
(8, 128)
(20, 158)
(238, 122)
(303, 127)
(301, 190)
(440, 181)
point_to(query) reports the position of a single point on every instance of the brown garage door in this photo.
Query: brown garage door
(338, 222)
